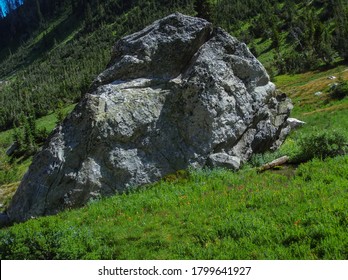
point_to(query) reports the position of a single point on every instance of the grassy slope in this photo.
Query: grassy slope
(214, 214)
(209, 215)
(321, 113)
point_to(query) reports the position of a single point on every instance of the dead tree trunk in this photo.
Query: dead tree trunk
(276, 162)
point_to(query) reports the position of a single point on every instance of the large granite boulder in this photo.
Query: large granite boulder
(177, 94)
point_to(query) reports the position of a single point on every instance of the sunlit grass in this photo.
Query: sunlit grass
(302, 87)
(214, 214)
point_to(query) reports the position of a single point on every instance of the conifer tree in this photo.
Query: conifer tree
(203, 9)
(323, 45)
(39, 13)
(341, 32)
(88, 17)
(18, 138)
(275, 37)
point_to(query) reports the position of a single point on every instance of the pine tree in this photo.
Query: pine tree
(73, 6)
(18, 139)
(323, 46)
(341, 22)
(100, 10)
(39, 13)
(275, 37)
(88, 17)
(203, 9)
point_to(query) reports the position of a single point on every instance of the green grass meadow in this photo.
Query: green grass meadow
(205, 214)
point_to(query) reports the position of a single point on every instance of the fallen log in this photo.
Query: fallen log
(274, 163)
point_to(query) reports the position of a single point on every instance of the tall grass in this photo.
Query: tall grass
(210, 214)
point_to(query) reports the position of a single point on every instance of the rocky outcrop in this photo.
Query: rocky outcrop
(177, 94)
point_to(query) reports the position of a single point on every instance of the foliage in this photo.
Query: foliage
(52, 50)
(27, 138)
(258, 160)
(306, 146)
(8, 174)
(340, 90)
(321, 144)
(213, 214)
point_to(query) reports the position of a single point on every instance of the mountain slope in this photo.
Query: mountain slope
(52, 50)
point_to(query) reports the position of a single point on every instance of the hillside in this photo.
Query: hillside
(47, 65)
(51, 50)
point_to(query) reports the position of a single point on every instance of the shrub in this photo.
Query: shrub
(258, 160)
(28, 138)
(340, 90)
(321, 144)
(290, 148)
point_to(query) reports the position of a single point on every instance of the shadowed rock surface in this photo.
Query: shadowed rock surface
(177, 94)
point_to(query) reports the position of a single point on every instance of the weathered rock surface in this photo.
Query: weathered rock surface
(224, 160)
(177, 94)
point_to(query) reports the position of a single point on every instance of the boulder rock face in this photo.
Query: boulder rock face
(177, 94)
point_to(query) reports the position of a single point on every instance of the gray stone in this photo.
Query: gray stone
(295, 123)
(12, 149)
(333, 86)
(175, 95)
(224, 160)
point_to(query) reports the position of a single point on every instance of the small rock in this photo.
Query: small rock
(12, 149)
(331, 77)
(333, 86)
(295, 123)
(318, 93)
(224, 160)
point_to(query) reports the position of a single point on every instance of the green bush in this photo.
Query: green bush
(321, 144)
(8, 174)
(289, 148)
(340, 90)
(258, 160)
(28, 137)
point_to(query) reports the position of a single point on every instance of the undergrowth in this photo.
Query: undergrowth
(306, 146)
